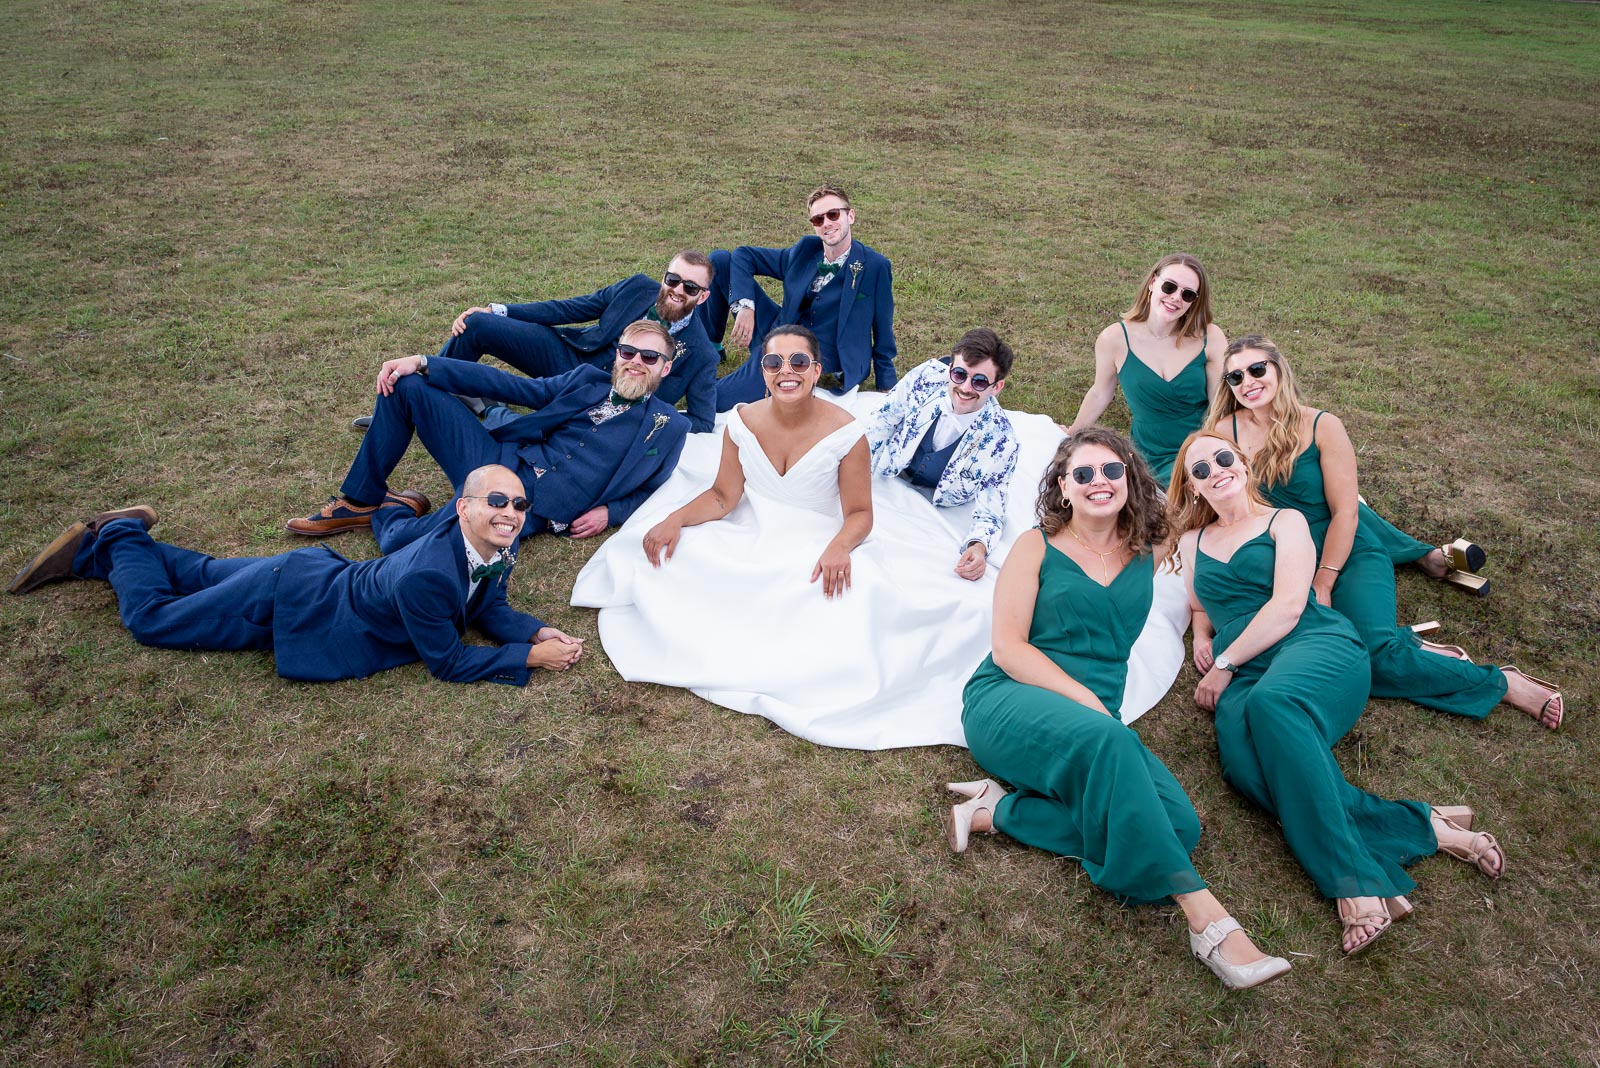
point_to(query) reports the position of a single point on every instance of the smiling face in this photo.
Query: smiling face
(835, 233)
(1222, 481)
(490, 529)
(631, 378)
(1253, 392)
(1100, 497)
(786, 384)
(1170, 307)
(963, 398)
(672, 303)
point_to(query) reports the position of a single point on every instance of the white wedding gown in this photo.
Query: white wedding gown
(734, 617)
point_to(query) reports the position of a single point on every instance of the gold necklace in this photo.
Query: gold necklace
(1105, 571)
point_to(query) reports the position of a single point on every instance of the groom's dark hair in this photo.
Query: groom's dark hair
(982, 344)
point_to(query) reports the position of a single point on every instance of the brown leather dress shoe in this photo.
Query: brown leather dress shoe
(54, 561)
(339, 515)
(142, 512)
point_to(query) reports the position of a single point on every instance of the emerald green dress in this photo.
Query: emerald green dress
(1277, 720)
(1400, 547)
(1364, 593)
(1164, 413)
(1086, 787)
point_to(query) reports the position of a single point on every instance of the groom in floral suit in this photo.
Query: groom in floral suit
(942, 428)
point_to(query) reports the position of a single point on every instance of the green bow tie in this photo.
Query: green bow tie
(483, 571)
(653, 315)
(625, 402)
(828, 270)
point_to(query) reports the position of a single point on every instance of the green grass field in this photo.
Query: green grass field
(221, 217)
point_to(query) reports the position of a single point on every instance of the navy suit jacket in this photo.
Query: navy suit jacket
(610, 310)
(338, 619)
(864, 333)
(645, 458)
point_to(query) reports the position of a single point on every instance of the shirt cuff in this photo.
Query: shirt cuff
(741, 305)
(498, 309)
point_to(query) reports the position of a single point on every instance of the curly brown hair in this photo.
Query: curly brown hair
(1141, 522)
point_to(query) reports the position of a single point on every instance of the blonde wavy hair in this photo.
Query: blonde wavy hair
(1186, 509)
(1274, 461)
(1193, 322)
(1140, 524)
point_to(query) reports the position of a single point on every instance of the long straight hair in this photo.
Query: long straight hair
(1193, 322)
(1274, 461)
(1186, 509)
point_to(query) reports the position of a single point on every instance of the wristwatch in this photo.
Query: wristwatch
(422, 367)
(1225, 664)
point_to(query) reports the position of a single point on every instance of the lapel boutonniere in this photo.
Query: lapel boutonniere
(855, 274)
(661, 421)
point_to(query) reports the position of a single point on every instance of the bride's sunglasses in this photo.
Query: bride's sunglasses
(1257, 370)
(1202, 469)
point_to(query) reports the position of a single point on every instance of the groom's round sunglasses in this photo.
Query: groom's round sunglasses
(691, 289)
(1113, 472)
(959, 375)
(832, 215)
(1202, 469)
(1257, 370)
(648, 357)
(500, 500)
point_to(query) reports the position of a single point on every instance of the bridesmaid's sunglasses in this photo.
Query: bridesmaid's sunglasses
(1113, 472)
(799, 362)
(1170, 287)
(1257, 370)
(500, 500)
(1202, 470)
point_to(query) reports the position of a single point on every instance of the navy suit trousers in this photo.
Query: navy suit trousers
(453, 436)
(532, 348)
(176, 598)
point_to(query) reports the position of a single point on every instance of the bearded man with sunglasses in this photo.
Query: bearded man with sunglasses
(537, 338)
(325, 617)
(837, 287)
(594, 448)
(942, 428)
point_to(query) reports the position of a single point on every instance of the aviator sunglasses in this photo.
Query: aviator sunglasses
(1257, 370)
(500, 500)
(799, 362)
(1169, 287)
(1202, 468)
(959, 375)
(690, 289)
(832, 215)
(648, 357)
(1113, 472)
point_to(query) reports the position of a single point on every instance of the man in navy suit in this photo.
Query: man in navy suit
(595, 447)
(838, 287)
(532, 338)
(326, 617)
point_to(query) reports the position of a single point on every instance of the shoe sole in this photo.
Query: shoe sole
(342, 526)
(20, 583)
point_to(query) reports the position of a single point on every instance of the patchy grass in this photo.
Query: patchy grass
(221, 217)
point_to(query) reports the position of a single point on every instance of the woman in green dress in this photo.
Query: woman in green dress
(1303, 459)
(1041, 711)
(1287, 678)
(1166, 353)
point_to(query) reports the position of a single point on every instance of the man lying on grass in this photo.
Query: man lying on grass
(325, 617)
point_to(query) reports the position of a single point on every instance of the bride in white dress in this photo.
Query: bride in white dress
(766, 594)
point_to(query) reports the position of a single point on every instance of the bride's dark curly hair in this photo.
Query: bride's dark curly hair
(1143, 520)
